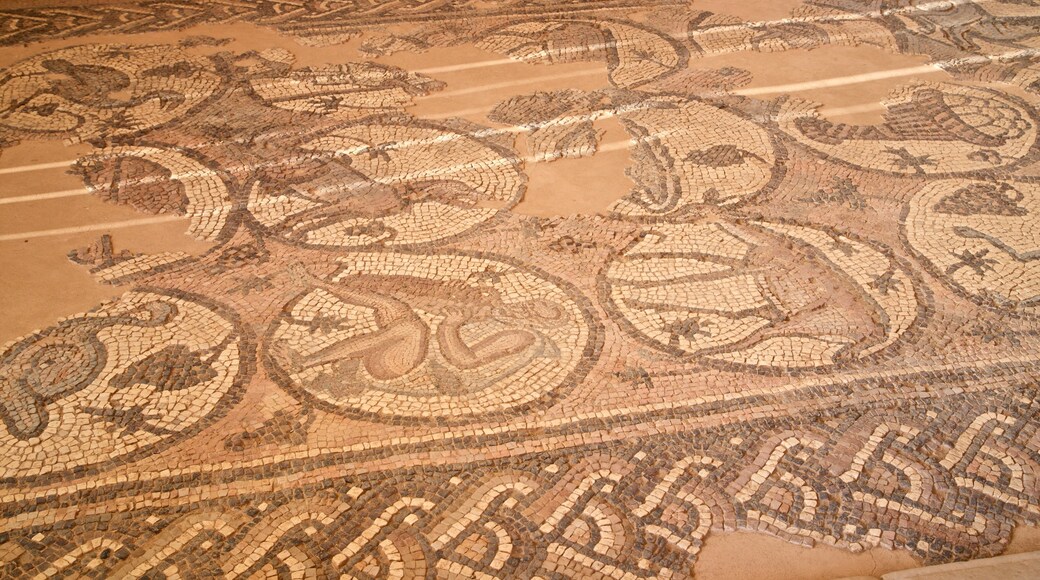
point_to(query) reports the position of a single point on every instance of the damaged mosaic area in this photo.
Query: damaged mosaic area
(827, 332)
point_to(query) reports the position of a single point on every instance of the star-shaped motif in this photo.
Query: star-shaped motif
(905, 160)
(977, 261)
(884, 282)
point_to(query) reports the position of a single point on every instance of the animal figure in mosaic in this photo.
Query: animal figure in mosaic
(928, 129)
(635, 54)
(401, 340)
(349, 91)
(161, 180)
(135, 371)
(102, 91)
(64, 359)
(719, 158)
(976, 26)
(384, 182)
(436, 334)
(339, 195)
(772, 295)
(929, 115)
(810, 26)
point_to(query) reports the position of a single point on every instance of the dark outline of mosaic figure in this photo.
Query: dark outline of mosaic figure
(401, 344)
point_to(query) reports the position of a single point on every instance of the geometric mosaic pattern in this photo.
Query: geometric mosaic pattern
(821, 331)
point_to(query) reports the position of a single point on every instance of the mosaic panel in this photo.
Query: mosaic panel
(381, 368)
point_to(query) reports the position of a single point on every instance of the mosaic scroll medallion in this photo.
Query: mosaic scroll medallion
(718, 33)
(766, 295)
(102, 91)
(392, 183)
(928, 129)
(349, 91)
(460, 336)
(144, 369)
(686, 152)
(982, 237)
(161, 179)
(635, 55)
(718, 158)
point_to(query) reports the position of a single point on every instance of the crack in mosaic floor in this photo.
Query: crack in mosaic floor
(822, 331)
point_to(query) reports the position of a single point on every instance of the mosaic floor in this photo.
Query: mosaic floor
(512, 288)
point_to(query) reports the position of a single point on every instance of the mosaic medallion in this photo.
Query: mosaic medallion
(768, 295)
(145, 369)
(349, 92)
(720, 159)
(981, 237)
(634, 54)
(102, 91)
(460, 337)
(717, 158)
(392, 184)
(928, 129)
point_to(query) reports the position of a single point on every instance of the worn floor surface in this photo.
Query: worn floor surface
(517, 289)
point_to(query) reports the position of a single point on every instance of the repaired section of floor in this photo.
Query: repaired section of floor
(517, 289)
